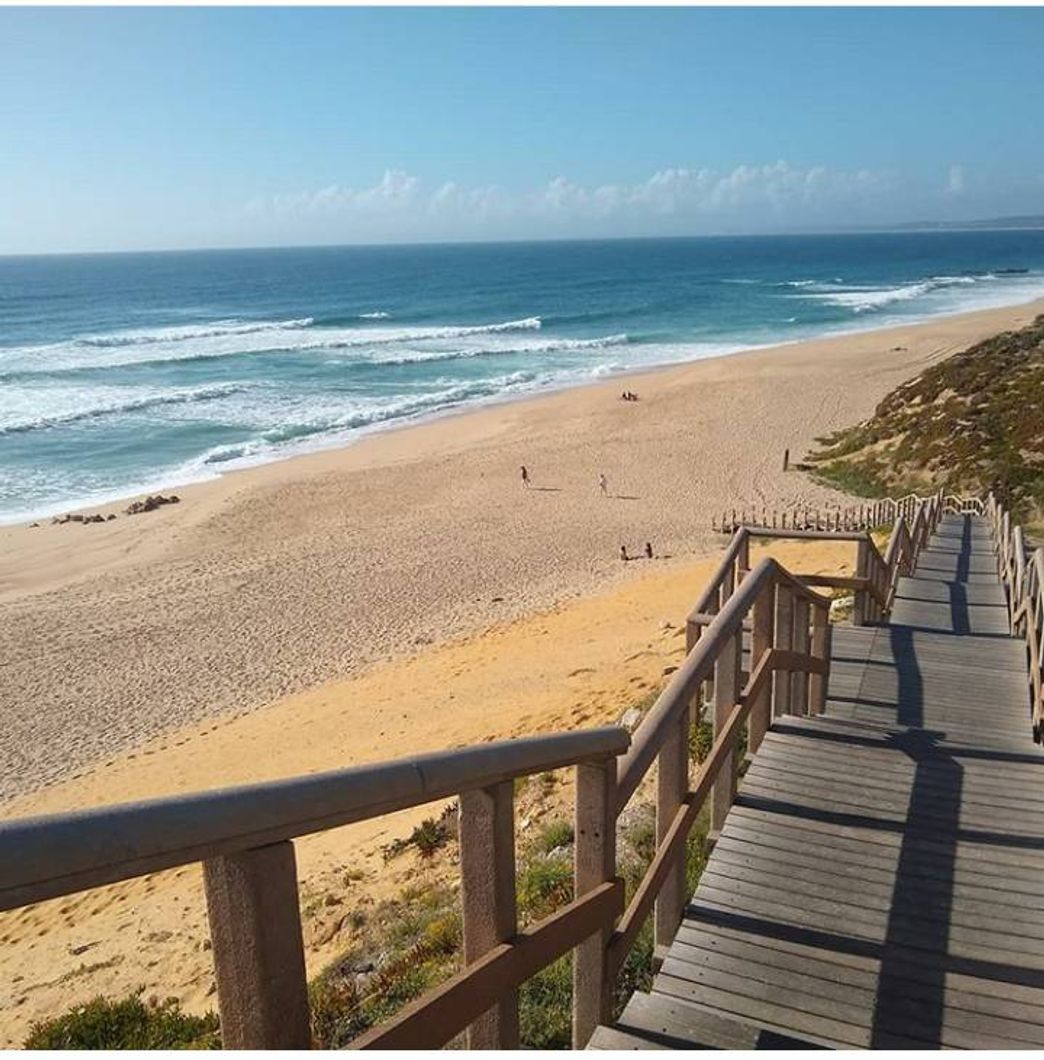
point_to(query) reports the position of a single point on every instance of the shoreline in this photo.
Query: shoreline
(276, 579)
(111, 501)
(393, 597)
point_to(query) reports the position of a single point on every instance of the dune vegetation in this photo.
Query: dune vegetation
(971, 423)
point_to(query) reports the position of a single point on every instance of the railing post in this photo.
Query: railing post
(763, 623)
(595, 864)
(799, 690)
(726, 695)
(742, 558)
(784, 634)
(1018, 581)
(487, 869)
(821, 650)
(1005, 552)
(255, 929)
(1035, 632)
(874, 574)
(880, 577)
(672, 785)
(860, 610)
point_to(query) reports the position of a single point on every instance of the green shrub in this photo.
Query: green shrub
(428, 836)
(544, 884)
(128, 1023)
(553, 835)
(333, 1000)
(701, 740)
(545, 1005)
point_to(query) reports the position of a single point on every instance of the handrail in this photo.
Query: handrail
(682, 687)
(735, 555)
(49, 856)
(242, 835)
(806, 535)
(697, 667)
(877, 576)
(1023, 578)
(789, 652)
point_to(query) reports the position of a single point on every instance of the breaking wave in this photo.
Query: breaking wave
(115, 407)
(868, 297)
(189, 344)
(185, 334)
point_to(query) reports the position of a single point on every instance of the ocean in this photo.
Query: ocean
(121, 373)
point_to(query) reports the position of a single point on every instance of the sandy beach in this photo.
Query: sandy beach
(276, 579)
(585, 662)
(400, 595)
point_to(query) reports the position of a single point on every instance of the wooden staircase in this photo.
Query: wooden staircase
(879, 879)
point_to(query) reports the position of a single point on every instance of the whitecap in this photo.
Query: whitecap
(70, 405)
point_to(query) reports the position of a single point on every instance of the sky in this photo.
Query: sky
(150, 128)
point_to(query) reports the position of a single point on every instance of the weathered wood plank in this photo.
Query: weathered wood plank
(879, 879)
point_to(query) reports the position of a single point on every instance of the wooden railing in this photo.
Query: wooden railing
(1023, 576)
(789, 654)
(243, 836)
(876, 576)
(854, 517)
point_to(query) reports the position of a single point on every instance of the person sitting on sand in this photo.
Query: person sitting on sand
(525, 476)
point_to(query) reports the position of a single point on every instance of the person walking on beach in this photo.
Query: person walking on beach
(603, 484)
(648, 550)
(525, 476)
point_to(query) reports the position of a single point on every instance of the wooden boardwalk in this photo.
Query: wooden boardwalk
(879, 881)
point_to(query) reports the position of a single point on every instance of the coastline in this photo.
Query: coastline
(112, 502)
(399, 595)
(278, 578)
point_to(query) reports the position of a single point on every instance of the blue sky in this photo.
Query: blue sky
(153, 128)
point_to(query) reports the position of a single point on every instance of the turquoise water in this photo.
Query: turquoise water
(126, 372)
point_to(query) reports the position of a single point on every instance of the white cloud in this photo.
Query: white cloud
(955, 180)
(748, 197)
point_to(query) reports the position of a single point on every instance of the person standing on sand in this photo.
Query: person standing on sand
(603, 484)
(525, 476)
(648, 550)
(623, 553)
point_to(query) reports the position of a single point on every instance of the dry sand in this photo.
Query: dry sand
(275, 579)
(431, 599)
(582, 663)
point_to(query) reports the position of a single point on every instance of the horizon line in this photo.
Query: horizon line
(989, 225)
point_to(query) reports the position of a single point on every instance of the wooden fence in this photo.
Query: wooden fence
(243, 836)
(867, 516)
(1023, 577)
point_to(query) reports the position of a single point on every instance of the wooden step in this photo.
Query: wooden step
(651, 1021)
